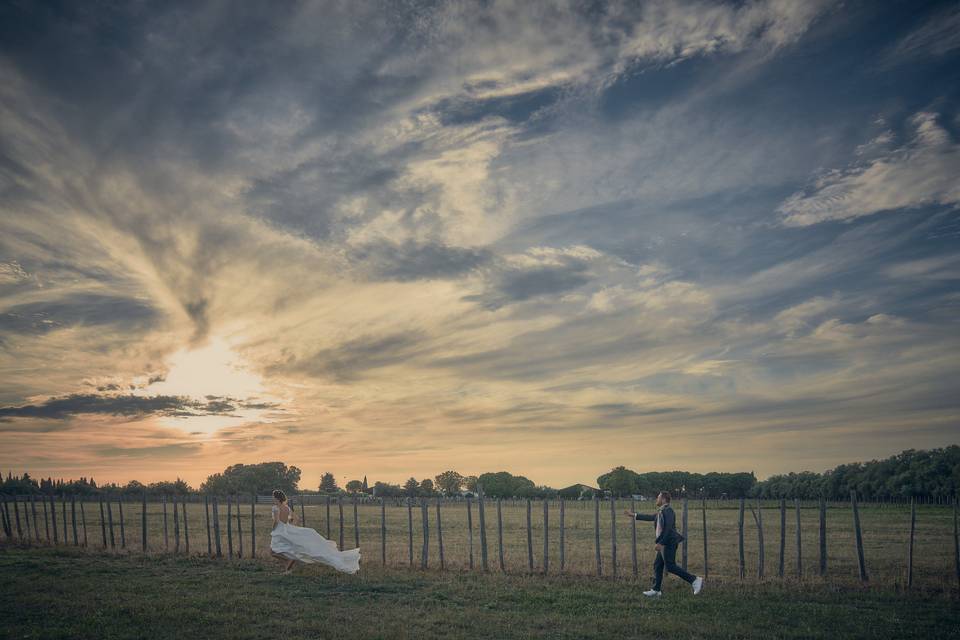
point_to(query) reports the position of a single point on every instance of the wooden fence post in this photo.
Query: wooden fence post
(206, 518)
(633, 537)
(229, 526)
(503, 566)
(426, 534)
(856, 527)
(470, 530)
(703, 511)
(166, 539)
(143, 522)
(4, 523)
(26, 520)
(33, 509)
(340, 511)
(123, 530)
(63, 515)
(113, 542)
(16, 513)
(383, 531)
(303, 513)
(239, 528)
(4, 517)
(799, 540)
(956, 542)
(758, 517)
(743, 567)
(328, 517)
(73, 520)
(483, 544)
(186, 531)
(613, 536)
(684, 533)
(356, 524)
(823, 536)
(596, 533)
(913, 524)
(410, 528)
(103, 522)
(83, 519)
(253, 525)
(483, 530)
(439, 534)
(176, 525)
(783, 537)
(546, 536)
(529, 540)
(562, 537)
(53, 518)
(46, 523)
(215, 509)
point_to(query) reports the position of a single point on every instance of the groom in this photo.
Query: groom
(667, 539)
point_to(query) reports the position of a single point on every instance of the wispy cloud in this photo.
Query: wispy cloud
(920, 172)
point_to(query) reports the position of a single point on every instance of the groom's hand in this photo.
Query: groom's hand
(658, 547)
(630, 514)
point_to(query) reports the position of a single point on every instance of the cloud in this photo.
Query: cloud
(923, 171)
(79, 308)
(349, 360)
(541, 271)
(413, 260)
(937, 35)
(119, 405)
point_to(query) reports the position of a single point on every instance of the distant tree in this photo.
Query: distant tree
(253, 478)
(365, 488)
(426, 487)
(449, 482)
(385, 490)
(328, 483)
(354, 486)
(470, 483)
(411, 487)
(179, 487)
(620, 482)
(504, 484)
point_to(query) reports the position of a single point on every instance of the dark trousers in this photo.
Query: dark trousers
(668, 559)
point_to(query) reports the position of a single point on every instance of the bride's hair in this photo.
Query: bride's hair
(279, 495)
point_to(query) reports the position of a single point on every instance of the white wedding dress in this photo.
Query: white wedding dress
(306, 545)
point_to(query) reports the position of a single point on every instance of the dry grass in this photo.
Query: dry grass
(885, 534)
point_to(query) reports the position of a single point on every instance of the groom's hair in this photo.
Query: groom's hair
(666, 496)
(279, 495)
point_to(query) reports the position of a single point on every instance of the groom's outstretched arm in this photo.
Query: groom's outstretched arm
(642, 516)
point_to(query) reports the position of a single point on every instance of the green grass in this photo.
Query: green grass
(66, 593)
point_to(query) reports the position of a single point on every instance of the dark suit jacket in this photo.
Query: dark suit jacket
(669, 533)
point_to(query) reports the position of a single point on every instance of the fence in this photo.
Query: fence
(868, 542)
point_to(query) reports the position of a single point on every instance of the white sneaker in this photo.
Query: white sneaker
(652, 593)
(697, 585)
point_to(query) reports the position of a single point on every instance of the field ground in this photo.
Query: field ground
(67, 593)
(885, 538)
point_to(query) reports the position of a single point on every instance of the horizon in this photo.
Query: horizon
(385, 239)
(372, 480)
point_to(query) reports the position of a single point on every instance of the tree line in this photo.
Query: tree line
(911, 473)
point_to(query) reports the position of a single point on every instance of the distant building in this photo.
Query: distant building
(578, 491)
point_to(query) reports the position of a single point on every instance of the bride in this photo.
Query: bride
(292, 543)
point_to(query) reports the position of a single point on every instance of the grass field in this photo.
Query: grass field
(885, 535)
(66, 593)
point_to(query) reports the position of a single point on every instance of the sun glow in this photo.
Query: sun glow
(212, 371)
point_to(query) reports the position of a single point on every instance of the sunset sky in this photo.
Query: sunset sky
(390, 239)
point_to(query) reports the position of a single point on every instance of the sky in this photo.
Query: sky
(395, 238)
